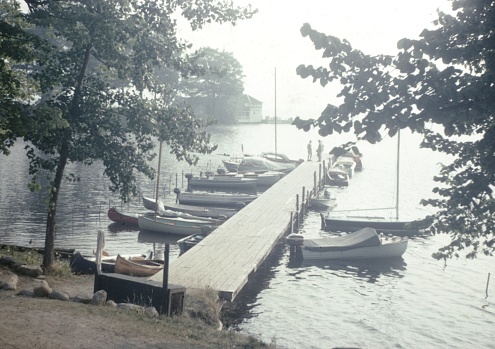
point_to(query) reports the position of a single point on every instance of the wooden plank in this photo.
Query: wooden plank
(227, 257)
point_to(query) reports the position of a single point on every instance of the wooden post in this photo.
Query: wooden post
(323, 180)
(314, 180)
(304, 203)
(291, 222)
(165, 290)
(297, 211)
(319, 177)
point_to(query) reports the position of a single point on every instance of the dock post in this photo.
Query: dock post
(166, 305)
(304, 203)
(319, 177)
(323, 179)
(314, 180)
(297, 212)
(291, 222)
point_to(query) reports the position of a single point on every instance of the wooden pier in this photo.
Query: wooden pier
(226, 258)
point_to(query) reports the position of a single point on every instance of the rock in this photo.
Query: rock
(130, 307)
(61, 296)
(111, 303)
(7, 260)
(26, 293)
(29, 270)
(81, 299)
(99, 297)
(8, 280)
(42, 291)
(151, 312)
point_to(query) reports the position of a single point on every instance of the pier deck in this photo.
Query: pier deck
(226, 258)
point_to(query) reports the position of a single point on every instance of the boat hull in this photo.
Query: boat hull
(223, 182)
(176, 226)
(143, 268)
(219, 200)
(381, 225)
(121, 218)
(391, 249)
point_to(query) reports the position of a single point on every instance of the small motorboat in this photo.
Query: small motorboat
(323, 202)
(198, 211)
(337, 177)
(362, 244)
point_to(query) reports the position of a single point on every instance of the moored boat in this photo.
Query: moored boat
(332, 222)
(188, 242)
(362, 244)
(199, 211)
(221, 182)
(121, 218)
(323, 202)
(214, 199)
(139, 268)
(81, 264)
(178, 226)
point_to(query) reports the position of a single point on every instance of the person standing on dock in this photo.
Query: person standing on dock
(310, 151)
(319, 150)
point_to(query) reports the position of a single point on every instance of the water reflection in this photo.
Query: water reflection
(369, 270)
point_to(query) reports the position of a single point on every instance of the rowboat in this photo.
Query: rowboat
(178, 226)
(140, 268)
(332, 222)
(199, 211)
(362, 244)
(121, 218)
(222, 182)
(188, 242)
(80, 264)
(337, 177)
(214, 199)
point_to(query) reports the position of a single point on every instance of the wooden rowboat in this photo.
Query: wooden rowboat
(121, 218)
(140, 268)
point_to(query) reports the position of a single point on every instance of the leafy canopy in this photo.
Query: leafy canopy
(442, 81)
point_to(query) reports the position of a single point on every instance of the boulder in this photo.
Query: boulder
(61, 296)
(29, 270)
(8, 280)
(26, 293)
(81, 299)
(7, 260)
(42, 291)
(151, 312)
(130, 307)
(99, 297)
(111, 303)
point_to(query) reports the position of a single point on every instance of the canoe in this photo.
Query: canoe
(121, 218)
(362, 244)
(140, 268)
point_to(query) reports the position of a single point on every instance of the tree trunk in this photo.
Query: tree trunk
(49, 255)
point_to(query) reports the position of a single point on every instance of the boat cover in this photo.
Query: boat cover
(366, 237)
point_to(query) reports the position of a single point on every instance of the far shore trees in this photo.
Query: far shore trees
(442, 81)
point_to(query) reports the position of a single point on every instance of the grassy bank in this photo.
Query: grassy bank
(197, 327)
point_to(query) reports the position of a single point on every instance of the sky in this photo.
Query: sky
(270, 46)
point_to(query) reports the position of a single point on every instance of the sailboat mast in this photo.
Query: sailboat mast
(275, 111)
(158, 178)
(397, 179)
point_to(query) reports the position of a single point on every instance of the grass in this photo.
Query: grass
(199, 322)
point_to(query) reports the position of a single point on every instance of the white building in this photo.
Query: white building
(249, 110)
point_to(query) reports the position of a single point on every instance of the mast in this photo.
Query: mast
(275, 111)
(397, 179)
(158, 178)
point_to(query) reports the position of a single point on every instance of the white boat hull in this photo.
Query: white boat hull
(386, 250)
(176, 226)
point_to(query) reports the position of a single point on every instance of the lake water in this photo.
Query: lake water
(412, 302)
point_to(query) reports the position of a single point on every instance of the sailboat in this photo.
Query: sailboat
(330, 222)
